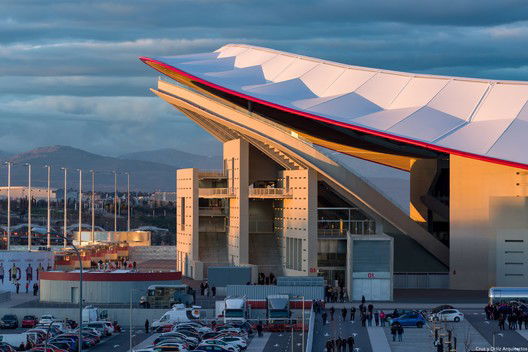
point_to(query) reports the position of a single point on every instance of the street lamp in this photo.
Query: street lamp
(93, 207)
(29, 206)
(128, 200)
(115, 201)
(80, 206)
(130, 318)
(48, 222)
(65, 194)
(8, 163)
(80, 287)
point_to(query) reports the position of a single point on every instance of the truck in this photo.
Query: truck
(278, 309)
(178, 314)
(235, 309)
(91, 313)
(165, 296)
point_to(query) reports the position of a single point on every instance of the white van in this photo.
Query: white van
(178, 314)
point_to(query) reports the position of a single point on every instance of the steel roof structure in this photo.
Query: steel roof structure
(476, 118)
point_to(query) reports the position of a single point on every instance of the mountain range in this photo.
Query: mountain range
(149, 170)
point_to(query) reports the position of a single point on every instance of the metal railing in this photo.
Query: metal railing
(269, 192)
(356, 227)
(212, 211)
(211, 173)
(216, 192)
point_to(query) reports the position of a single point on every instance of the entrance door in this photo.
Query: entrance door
(74, 295)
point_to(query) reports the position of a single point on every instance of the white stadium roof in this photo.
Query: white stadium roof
(485, 119)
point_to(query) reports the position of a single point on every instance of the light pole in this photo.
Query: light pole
(80, 206)
(8, 204)
(29, 206)
(130, 320)
(65, 194)
(93, 206)
(48, 222)
(115, 201)
(80, 287)
(128, 201)
(303, 324)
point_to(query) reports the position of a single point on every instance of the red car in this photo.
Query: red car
(29, 321)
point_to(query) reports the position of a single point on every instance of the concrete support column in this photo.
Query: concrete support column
(236, 164)
(187, 217)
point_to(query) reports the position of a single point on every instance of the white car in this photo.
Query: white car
(226, 345)
(447, 315)
(238, 341)
(47, 319)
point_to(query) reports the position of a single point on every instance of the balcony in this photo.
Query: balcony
(269, 192)
(212, 174)
(212, 211)
(216, 192)
(331, 230)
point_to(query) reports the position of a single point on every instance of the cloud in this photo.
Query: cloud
(70, 70)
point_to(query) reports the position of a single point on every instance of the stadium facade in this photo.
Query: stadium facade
(287, 203)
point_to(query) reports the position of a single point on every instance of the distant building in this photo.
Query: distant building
(163, 196)
(21, 192)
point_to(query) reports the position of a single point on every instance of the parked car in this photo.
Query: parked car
(410, 319)
(447, 315)
(9, 321)
(29, 321)
(442, 307)
(46, 319)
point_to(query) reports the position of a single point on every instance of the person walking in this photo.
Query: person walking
(259, 328)
(202, 288)
(376, 318)
(324, 316)
(400, 333)
(363, 319)
(332, 311)
(344, 313)
(353, 313)
(382, 318)
(17, 284)
(147, 325)
(329, 347)
(213, 291)
(351, 343)
(394, 331)
(502, 321)
(369, 318)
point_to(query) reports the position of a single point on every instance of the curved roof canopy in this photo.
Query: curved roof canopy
(482, 119)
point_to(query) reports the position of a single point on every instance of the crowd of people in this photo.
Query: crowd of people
(511, 314)
(206, 291)
(367, 316)
(335, 294)
(113, 264)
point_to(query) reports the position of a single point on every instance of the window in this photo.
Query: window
(182, 213)
(293, 253)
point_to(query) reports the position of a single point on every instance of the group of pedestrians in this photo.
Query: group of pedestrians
(510, 314)
(340, 344)
(335, 294)
(206, 291)
(397, 330)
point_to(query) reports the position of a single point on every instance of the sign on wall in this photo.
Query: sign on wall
(18, 268)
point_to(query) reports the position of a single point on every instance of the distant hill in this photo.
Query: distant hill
(175, 158)
(145, 175)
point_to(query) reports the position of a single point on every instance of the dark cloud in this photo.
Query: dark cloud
(70, 73)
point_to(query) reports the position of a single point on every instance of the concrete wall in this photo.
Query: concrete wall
(187, 234)
(300, 217)
(96, 291)
(475, 218)
(143, 253)
(236, 164)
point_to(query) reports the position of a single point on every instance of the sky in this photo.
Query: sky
(70, 74)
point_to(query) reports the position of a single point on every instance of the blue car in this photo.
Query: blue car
(409, 319)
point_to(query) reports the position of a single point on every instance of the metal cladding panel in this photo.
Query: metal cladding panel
(300, 281)
(475, 102)
(228, 275)
(263, 291)
(371, 256)
(112, 292)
